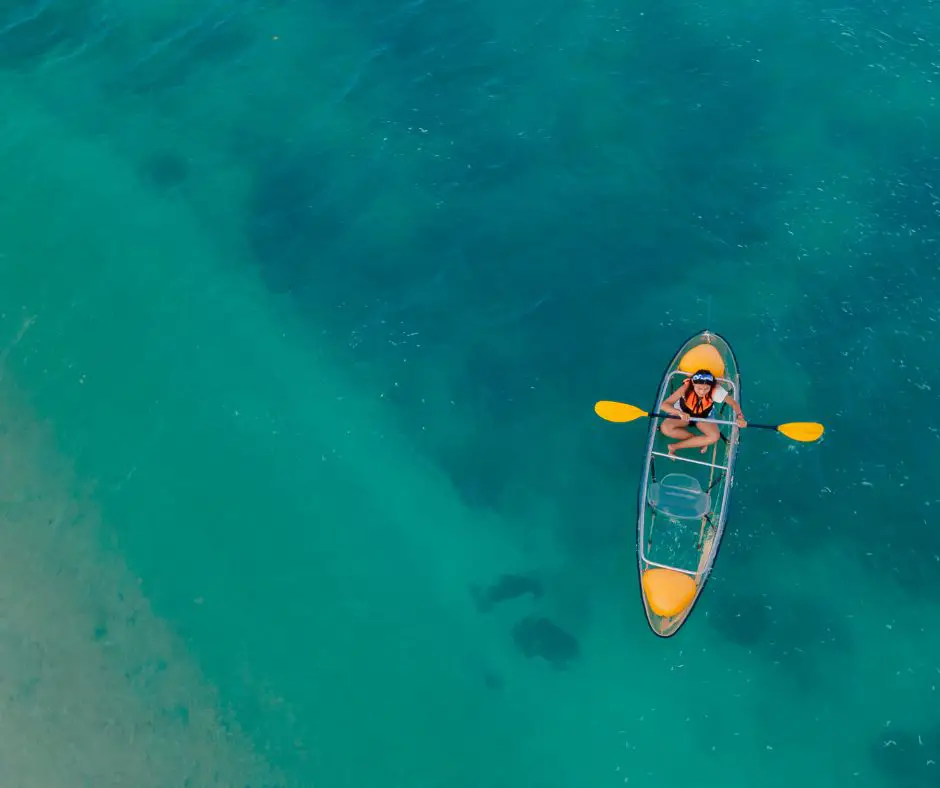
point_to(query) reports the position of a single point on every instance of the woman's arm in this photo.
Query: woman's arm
(670, 401)
(739, 416)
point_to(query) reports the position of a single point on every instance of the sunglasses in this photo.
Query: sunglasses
(702, 379)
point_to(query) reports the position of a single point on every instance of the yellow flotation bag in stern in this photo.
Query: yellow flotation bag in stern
(667, 591)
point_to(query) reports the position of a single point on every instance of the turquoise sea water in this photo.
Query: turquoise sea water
(304, 308)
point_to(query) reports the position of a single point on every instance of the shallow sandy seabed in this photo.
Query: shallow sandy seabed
(95, 689)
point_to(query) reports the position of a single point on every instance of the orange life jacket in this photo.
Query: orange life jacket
(695, 406)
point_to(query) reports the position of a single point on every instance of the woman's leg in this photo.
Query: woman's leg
(675, 429)
(709, 435)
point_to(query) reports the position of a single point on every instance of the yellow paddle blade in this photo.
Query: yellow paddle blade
(618, 412)
(806, 431)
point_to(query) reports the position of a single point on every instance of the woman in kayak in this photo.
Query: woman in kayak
(696, 400)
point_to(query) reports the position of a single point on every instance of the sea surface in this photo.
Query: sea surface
(304, 308)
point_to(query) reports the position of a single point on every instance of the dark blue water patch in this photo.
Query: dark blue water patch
(479, 476)
(715, 173)
(439, 50)
(899, 541)
(907, 756)
(489, 154)
(877, 510)
(505, 588)
(880, 469)
(710, 97)
(907, 210)
(796, 510)
(537, 637)
(744, 620)
(517, 344)
(517, 205)
(217, 36)
(32, 30)
(536, 358)
(887, 40)
(798, 634)
(303, 227)
(294, 219)
(596, 520)
(886, 142)
(165, 169)
(472, 270)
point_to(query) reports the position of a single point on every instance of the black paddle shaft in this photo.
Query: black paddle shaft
(662, 415)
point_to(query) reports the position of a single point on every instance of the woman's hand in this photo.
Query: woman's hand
(683, 416)
(740, 420)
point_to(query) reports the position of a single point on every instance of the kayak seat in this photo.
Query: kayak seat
(703, 356)
(679, 495)
(667, 591)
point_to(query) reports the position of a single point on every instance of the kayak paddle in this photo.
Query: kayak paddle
(618, 412)
(621, 412)
(805, 431)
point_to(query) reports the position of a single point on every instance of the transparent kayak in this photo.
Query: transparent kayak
(683, 500)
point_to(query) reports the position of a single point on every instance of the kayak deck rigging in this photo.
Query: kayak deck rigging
(688, 459)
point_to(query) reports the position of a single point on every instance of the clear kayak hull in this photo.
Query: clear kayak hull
(682, 502)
